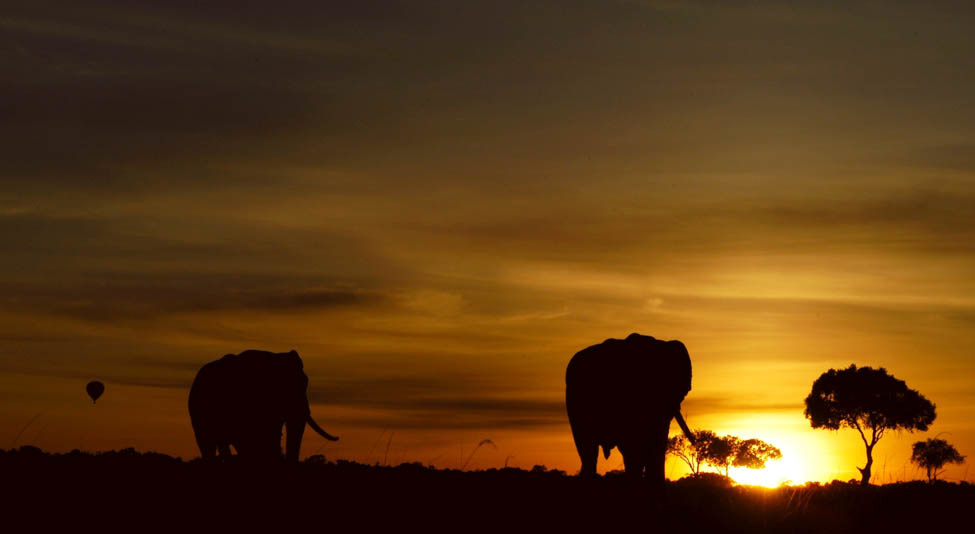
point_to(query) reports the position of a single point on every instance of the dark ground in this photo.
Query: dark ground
(133, 492)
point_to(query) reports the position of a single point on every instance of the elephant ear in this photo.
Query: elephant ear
(295, 368)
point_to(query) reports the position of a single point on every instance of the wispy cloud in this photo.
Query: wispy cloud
(438, 204)
(704, 405)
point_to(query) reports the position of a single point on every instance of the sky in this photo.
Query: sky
(438, 203)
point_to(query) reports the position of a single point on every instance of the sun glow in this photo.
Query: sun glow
(807, 454)
(784, 471)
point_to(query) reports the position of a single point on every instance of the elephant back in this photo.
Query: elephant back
(251, 382)
(620, 377)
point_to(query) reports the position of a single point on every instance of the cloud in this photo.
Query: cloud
(115, 302)
(696, 405)
(431, 169)
(443, 421)
(108, 94)
(955, 157)
(112, 267)
(623, 231)
(423, 404)
(441, 402)
(108, 377)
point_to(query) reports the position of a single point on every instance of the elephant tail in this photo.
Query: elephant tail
(316, 428)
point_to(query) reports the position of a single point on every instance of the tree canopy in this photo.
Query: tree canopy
(753, 453)
(692, 454)
(721, 452)
(933, 455)
(869, 401)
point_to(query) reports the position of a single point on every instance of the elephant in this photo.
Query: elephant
(623, 393)
(245, 400)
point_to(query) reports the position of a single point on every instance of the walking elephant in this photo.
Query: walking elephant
(623, 393)
(245, 400)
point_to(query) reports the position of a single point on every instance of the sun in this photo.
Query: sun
(784, 471)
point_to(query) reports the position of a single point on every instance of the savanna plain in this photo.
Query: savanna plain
(133, 491)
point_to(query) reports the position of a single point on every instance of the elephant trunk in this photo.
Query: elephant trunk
(683, 426)
(314, 426)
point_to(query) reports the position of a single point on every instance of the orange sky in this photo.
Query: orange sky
(438, 205)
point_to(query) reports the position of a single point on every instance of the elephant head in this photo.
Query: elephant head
(624, 393)
(245, 400)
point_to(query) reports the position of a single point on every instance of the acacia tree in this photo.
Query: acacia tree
(753, 453)
(933, 454)
(869, 401)
(693, 454)
(727, 451)
(721, 452)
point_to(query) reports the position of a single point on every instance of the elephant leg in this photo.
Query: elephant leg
(224, 449)
(634, 460)
(203, 433)
(208, 449)
(271, 444)
(589, 453)
(657, 453)
(261, 443)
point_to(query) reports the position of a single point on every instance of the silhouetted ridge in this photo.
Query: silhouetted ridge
(128, 491)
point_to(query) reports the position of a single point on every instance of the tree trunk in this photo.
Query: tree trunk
(865, 470)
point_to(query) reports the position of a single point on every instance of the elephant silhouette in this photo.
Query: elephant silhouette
(623, 393)
(245, 400)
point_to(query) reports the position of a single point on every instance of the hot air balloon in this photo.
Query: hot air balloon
(95, 390)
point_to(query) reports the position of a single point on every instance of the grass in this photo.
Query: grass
(130, 488)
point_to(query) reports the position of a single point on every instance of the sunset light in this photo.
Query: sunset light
(505, 243)
(786, 470)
